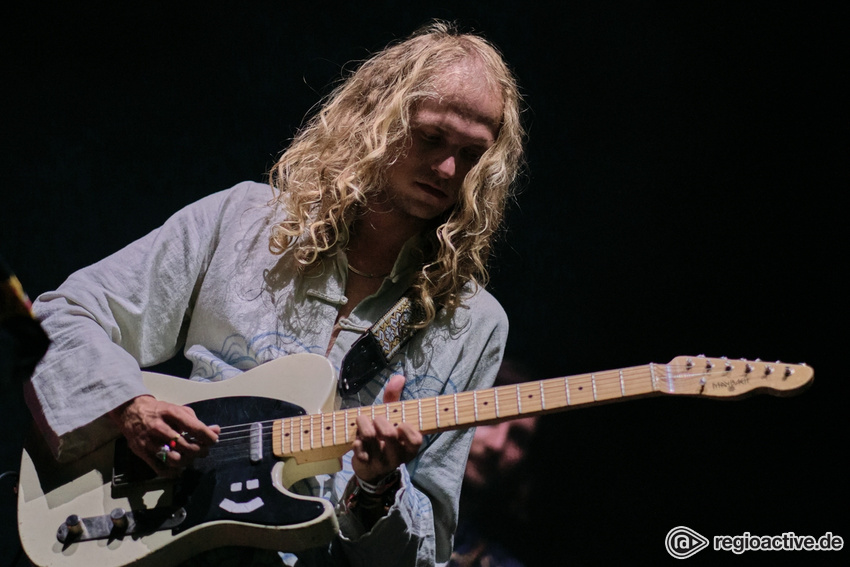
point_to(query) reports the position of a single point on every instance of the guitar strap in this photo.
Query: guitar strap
(372, 352)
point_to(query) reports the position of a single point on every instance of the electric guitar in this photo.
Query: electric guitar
(279, 426)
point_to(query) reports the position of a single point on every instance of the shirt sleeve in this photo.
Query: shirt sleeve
(108, 320)
(418, 529)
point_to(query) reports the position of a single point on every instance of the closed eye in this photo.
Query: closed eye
(473, 154)
(430, 138)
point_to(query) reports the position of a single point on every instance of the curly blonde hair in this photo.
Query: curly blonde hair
(338, 161)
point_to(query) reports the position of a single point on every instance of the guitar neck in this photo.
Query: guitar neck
(328, 435)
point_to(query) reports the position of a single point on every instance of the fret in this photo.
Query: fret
(284, 435)
(582, 389)
(437, 410)
(518, 400)
(454, 399)
(670, 388)
(653, 377)
(419, 410)
(394, 413)
(475, 404)
(622, 385)
(593, 383)
(496, 401)
(542, 396)
(567, 388)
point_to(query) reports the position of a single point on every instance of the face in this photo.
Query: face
(497, 450)
(448, 137)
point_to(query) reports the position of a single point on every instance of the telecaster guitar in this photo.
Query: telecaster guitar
(278, 427)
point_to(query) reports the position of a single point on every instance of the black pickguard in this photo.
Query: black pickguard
(206, 485)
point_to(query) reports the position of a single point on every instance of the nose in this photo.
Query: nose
(446, 167)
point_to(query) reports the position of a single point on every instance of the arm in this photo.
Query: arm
(126, 311)
(417, 528)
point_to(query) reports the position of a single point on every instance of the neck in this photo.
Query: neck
(376, 240)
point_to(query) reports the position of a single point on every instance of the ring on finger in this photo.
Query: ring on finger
(162, 454)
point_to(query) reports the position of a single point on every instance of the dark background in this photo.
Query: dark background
(684, 195)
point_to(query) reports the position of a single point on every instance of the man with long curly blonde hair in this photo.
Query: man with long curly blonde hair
(335, 171)
(395, 188)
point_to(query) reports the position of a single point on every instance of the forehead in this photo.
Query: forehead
(465, 96)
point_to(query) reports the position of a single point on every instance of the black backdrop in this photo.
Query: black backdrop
(683, 196)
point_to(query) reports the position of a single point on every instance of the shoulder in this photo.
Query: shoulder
(243, 204)
(482, 307)
(241, 198)
(480, 318)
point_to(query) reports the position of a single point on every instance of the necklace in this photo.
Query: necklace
(366, 274)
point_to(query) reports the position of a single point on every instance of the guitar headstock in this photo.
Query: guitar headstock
(727, 378)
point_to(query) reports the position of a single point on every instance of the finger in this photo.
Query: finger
(410, 440)
(365, 427)
(191, 428)
(360, 452)
(383, 428)
(164, 461)
(394, 388)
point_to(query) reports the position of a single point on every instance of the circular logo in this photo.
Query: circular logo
(682, 542)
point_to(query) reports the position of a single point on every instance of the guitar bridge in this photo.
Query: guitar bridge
(118, 524)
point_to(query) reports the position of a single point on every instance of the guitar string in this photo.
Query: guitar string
(606, 382)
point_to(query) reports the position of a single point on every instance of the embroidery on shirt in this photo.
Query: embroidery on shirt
(239, 354)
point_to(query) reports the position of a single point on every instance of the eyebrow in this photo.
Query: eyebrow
(483, 142)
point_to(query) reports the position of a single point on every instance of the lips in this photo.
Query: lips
(431, 190)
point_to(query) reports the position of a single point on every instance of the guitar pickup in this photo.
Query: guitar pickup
(256, 440)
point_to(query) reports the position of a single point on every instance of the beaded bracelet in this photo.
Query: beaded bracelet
(372, 496)
(381, 486)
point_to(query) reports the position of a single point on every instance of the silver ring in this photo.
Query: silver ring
(162, 454)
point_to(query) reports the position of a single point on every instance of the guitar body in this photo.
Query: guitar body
(237, 495)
